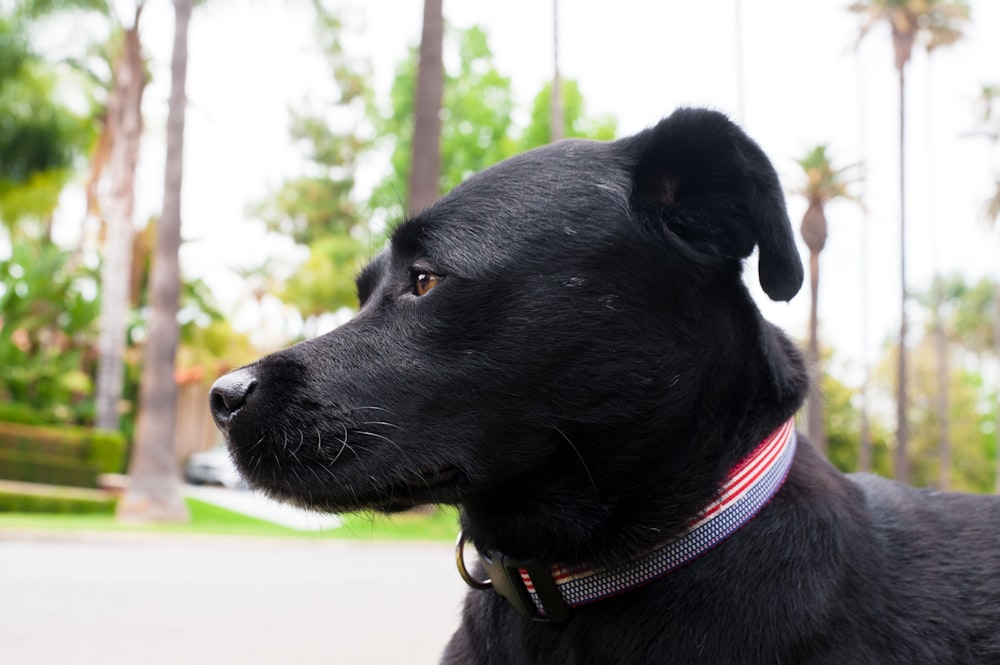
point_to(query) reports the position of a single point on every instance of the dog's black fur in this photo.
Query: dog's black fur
(579, 381)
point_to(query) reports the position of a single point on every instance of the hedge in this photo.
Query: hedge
(55, 502)
(59, 455)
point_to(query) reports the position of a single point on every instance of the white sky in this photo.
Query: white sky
(251, 60)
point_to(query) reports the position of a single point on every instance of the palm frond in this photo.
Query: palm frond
(824, 182)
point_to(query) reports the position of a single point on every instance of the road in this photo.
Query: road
(123, 599)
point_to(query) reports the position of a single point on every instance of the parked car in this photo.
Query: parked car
(213, 467)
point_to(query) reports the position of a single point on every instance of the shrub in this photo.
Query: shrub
(59, 455)
(67, 503)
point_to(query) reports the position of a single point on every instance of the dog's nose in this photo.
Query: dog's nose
(228, 395)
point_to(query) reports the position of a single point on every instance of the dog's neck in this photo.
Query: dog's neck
(549, 592)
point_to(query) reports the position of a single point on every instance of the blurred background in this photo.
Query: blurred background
(187, 185)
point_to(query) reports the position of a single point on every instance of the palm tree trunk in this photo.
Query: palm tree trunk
(902, 467)
(425, 167)
(865, 444)
(556, 120)
(125, 125)
(814, 404)
(154, 492)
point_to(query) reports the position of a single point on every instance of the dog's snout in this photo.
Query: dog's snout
(229, 394)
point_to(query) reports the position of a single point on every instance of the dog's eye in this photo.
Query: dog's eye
(424, 281)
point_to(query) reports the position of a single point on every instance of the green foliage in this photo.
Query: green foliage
(320, 203)
(477, 110)
(40, 138)
(576, 123)
(40, 8)
(842, 419)
(970, 312)
(967, 315)
(968, 415)
(322, 208)
(319, 209)
(476, 117)
(326, 280)
(64, 455)
(47, 331)
(54, 502)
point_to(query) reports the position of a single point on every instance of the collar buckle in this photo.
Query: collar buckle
(505, 577)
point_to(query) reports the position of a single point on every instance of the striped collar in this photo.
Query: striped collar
(547, 594)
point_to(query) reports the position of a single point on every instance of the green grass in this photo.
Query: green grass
(209, 519)
(440, 525)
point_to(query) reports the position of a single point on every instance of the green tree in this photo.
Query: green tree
(965, 316)
(321, 209)
(967, 465)
(824, 184)
(842, 422)
(970, 315)
(939, 23)
(576, 122)
(478, 129)
(476, 117)
(40, 138)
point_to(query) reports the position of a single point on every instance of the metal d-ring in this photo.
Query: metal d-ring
(463, 571)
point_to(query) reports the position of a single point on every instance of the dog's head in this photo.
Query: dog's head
(566, 334)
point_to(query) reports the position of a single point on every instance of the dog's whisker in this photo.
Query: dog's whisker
(384, 438)
(583, 462)
(343, 446)
(290, 451)
(372, 408)
(378, 422)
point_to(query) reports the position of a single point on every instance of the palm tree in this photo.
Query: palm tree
(824, 183)
(425, 167)
(556, 121)
(154, 493)
(939, 23)
(124, 124)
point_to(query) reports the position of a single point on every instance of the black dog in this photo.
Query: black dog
(563, 346)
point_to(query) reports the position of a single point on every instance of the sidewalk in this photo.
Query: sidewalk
(257, 505)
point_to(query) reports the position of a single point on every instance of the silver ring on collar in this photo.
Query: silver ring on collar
(463, 571)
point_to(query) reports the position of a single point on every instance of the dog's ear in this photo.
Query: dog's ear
(712, 185)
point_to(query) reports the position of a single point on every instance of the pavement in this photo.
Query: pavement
(124, 598)
(109, 599)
